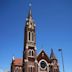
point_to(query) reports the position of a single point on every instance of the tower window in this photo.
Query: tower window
(31, 53)
(29, 35)
(17, 69)
(30, 69)
(32, 36)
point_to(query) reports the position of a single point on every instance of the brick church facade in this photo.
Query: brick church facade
(31, 62)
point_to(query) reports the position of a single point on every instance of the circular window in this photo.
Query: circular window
(43, 64)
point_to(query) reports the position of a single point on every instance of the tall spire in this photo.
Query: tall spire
(52, 56)
(30, 10)
(29, 18)
(30, 40)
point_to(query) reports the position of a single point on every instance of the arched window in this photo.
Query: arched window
(31, 52)
(29, 35)
(16, 70)
(32, 36)
(31, 69)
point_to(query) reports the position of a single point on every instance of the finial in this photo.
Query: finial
(13, 58)
(30, 4)
(30, 11)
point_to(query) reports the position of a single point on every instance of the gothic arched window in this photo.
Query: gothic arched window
(31, 52)
(31, 69)
(32, 36)
(29, 35)
(16, 70)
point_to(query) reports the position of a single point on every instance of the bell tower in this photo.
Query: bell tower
(29, 53)
(30, 35)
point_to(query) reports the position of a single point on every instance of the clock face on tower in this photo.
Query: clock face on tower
(43, 64)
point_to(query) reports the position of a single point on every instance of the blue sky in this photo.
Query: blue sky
(53, 20)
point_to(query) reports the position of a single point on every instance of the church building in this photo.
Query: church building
(31, 62)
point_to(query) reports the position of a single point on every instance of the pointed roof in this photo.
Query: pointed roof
(43, 55)
(30, 13)
(30, 10)
(52, 55)
(29, 20)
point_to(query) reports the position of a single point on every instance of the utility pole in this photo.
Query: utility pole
(60, 50)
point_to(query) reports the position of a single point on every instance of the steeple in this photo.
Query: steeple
(52, 56)
(29, 18)
(30, 34)
(29, 53)
(30, 11)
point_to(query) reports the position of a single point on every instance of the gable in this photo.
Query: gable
(44, 56)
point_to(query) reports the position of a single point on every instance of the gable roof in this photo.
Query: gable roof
(43, 55)
(17, 62)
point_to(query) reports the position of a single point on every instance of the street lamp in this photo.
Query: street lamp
(60, 50)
